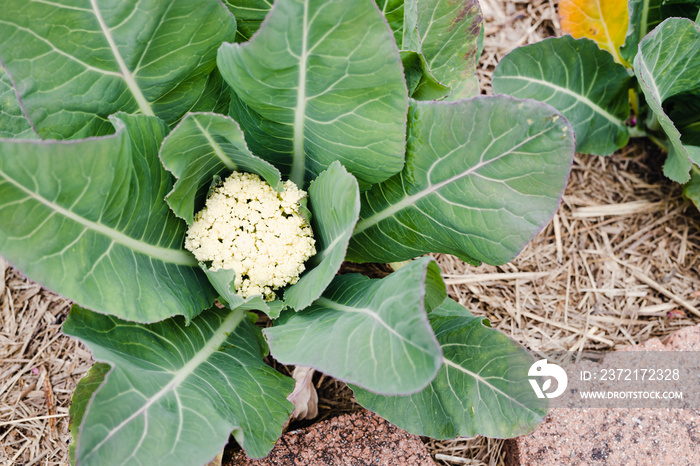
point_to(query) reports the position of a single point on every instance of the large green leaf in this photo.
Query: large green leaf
(313, 87)
(393, 11)
(482, 387)
(645, 15)
(215, 97)
(668, 64)
(421, 83)
(249, 15)
(482, 177)
(202, 146)
(80, 400)
(87, 219)
(371, 332)
(76, 63)
(13, 123)
(176, 391)
(334, 199)
(439, 44)
(448, 31)
(577, 78)
(684, 110)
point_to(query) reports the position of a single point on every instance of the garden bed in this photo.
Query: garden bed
(618, 265)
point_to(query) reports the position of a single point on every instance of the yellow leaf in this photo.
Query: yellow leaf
(604, 21)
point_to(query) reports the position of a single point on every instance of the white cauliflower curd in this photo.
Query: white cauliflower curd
(249, 227)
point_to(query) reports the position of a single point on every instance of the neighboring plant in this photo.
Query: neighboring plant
(652, 68)
(106, 103)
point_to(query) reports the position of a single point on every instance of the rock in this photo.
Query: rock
(360, 438)
(617, 436)
(686, 339)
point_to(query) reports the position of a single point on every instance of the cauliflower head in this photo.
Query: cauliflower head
(249, 227)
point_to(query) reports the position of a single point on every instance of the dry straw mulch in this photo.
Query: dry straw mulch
(39, 368)
(617, 265)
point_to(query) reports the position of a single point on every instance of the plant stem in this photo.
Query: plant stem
(654, 124)
(637, 132)
(659, 142)
(634, 102)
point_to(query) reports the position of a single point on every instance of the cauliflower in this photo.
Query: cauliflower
(249, 227)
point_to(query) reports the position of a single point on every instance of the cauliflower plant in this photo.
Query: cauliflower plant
(249, 227)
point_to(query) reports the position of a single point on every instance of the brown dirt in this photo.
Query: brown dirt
(361, 438)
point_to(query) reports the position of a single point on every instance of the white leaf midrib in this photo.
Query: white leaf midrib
(375, 316)
(299, 157)
(580, 98)
(208, 348)
(645, 18)
(129, 78)
(481, 380)
(218, 151)
(608, 38)
(408, 201)
(175, 256)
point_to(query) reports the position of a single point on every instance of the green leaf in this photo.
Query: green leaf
(215, 97)
(692, 189)
(668, 64)
(313, 87)
(449, 35)
(393, 11)
(421, 83)
(80, 400)
(202, 146)
(439, 40)
(482, 387)
(482, 178)
(371, 332)
(74, 65)
(249, 15)
(577, 78)
(645, 15)
(411, 39)
(684, 111)
(223, 281)
(176, 391)
(13, 123)
(87, 219)
(335, 202)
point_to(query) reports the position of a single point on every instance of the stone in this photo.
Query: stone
(359, 439)
(617, 436)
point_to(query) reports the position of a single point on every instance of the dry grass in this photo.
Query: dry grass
(39, 368)
(617, 265)
(510, 24)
